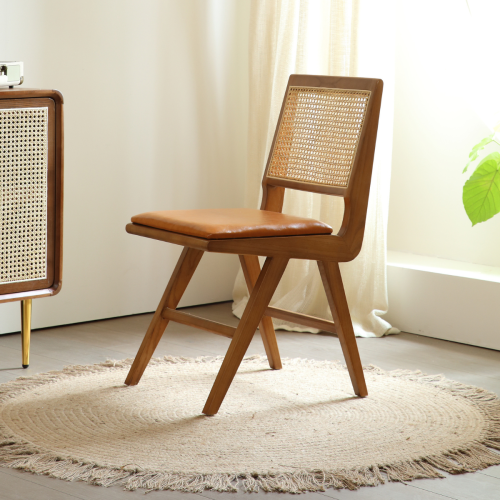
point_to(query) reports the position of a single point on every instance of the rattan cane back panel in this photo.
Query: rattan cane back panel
(23, 194)
(318, 135)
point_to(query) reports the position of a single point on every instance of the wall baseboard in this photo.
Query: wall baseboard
(444, 299)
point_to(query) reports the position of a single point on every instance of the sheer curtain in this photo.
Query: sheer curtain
(320, 37)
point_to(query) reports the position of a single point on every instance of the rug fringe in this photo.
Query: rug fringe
(475, 456)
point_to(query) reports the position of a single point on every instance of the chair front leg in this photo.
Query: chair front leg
(251, 270)
(260, 297)
(334, 288)
(183, 272)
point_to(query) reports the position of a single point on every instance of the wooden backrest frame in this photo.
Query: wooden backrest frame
(356, 193)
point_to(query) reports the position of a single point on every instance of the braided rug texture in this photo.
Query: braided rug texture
(292, 430)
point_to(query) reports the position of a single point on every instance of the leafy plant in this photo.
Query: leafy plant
(481, 193)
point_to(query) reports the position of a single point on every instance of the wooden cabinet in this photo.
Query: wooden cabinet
(31, 198)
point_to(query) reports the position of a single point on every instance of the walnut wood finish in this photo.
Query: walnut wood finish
(301, 319)
(263, 290)
(197, 322)
(175, 238)
(328, 250)
(25, 291)
(318, 247)
(22, 98)
(184, 270)
(356, 194)
(251, 270)
(334, 288)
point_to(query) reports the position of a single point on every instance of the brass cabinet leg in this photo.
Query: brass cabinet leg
(26, 330)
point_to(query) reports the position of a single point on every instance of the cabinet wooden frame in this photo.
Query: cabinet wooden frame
(18, 97)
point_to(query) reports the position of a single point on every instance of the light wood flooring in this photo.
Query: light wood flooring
(53, 348)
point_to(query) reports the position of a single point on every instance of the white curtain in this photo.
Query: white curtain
(321, 37)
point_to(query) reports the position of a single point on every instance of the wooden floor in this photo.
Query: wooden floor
(53, 348)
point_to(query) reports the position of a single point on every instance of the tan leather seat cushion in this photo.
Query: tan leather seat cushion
(225, 223)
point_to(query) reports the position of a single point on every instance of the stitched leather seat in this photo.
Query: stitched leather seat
(222, 223)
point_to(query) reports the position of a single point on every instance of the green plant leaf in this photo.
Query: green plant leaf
(475, 150)
(481, 194)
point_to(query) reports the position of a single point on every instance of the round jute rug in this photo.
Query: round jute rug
(296, 429)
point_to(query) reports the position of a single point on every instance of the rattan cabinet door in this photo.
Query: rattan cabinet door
(27, 194)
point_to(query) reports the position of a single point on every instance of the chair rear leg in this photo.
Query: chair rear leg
(251, 270)
(334, 288)
(183, 272)
(260, 297)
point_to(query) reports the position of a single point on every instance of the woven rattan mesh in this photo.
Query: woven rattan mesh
(319, 135)
(23, 194)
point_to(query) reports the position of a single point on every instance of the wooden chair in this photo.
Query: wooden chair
(324, 143)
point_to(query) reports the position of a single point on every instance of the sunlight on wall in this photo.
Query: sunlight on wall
(441, 112)
(482, 55)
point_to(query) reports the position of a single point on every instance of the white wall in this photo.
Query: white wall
(445, 101)
(444, 275)
(155, 118)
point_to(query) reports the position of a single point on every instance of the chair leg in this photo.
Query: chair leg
(251, 269)
(334, 288)
(183, 272)
(260, 297)
(26, 331)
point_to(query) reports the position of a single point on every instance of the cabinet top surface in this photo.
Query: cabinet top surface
(19, 92)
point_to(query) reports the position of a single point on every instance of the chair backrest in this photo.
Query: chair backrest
(325, 143)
